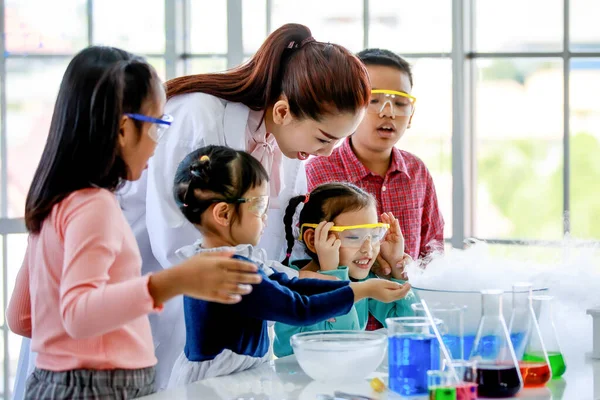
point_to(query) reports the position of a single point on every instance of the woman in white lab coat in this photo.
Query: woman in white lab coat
(295, 98)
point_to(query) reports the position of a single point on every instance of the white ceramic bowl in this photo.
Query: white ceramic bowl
(339, 355)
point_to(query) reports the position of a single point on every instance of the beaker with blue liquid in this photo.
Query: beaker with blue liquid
(413, 350)
(453, 322)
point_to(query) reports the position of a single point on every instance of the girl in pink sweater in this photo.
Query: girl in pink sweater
(80, 295)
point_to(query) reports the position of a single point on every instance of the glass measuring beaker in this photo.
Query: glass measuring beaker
(441, 385)
(413, 350)
(498, 374)
(453, 323)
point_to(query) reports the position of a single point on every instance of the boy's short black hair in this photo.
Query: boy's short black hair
(386, 58)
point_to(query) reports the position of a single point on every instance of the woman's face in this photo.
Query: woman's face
(301, 138)
(137, 145)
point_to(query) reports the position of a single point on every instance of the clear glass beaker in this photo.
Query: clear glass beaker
(453, 322)
(441, 385)
(542, 306)
(413, 350)
(498, 374)
(527, 339)
(467, 372)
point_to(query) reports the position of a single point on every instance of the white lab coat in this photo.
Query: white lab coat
(159, 226)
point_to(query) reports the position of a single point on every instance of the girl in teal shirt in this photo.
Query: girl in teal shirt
(341, 233)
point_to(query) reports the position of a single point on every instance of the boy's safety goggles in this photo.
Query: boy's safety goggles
(402, 104)
(354, 235)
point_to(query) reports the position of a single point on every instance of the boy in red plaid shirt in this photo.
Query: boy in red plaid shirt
(399, 180)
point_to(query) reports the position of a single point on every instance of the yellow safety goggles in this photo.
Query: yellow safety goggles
(354, 235)
(402, 104)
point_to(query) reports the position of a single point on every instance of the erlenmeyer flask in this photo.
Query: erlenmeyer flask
(519, 325)
(498, 374)
(526, 338)
(542, 306)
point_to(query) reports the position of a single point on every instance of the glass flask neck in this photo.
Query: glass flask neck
(542, 306)
(521, 295)
(491, 303)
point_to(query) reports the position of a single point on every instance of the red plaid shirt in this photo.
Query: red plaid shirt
(407, 191)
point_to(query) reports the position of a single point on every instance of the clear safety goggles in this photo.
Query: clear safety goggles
(258, 205)
(402, 104)
(159, 125)
(355, 235)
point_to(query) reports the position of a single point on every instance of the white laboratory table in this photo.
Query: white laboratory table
(284, 379)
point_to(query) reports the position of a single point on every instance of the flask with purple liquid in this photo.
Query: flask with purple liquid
(498, 374)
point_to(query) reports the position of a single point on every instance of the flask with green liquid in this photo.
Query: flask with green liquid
(543, 309)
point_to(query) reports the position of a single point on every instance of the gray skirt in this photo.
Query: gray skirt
(83, 384)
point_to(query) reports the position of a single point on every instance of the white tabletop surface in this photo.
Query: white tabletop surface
(284, 379)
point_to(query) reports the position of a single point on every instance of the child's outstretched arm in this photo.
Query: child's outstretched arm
(398, 308)
(275, 300)
(301, 285)
(280, 299)
(350, 321)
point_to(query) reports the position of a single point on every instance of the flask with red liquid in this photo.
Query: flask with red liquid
(527, 338)
(542, 306)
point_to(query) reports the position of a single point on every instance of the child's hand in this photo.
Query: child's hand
(218, 277)
(327, 246)
(401, 268)
(392, 247)
(384, 291)
(383, 270)
(380, 289)
(208, 276)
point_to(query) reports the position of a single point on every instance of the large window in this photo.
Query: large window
(535, 128)
(518, 147)
(507, 118)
